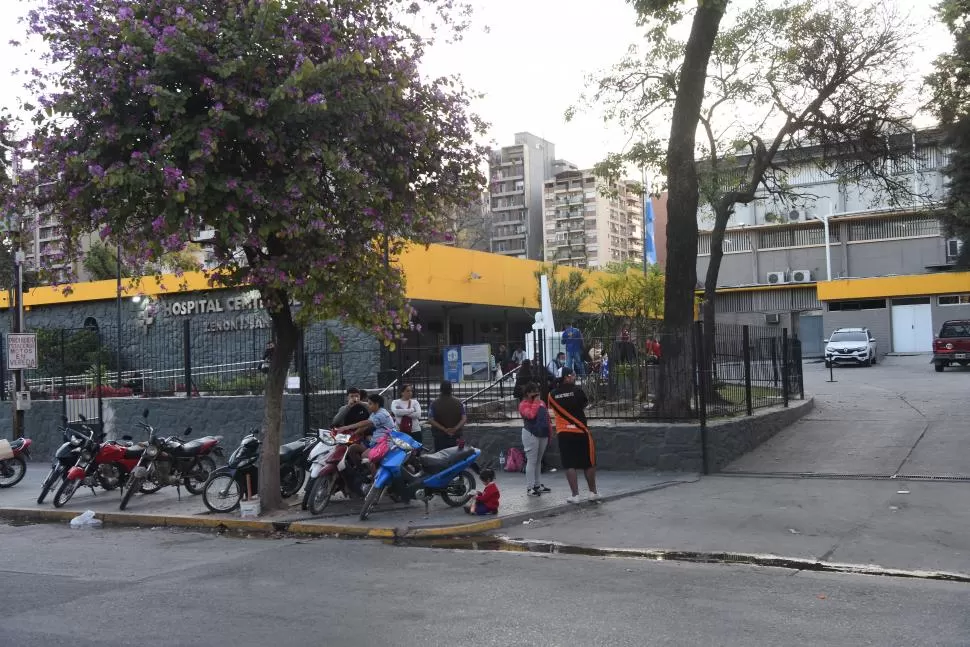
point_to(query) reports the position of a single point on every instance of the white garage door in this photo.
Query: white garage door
(912, 327)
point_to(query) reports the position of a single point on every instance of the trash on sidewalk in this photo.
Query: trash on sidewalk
(793, 531)
(85, 520)
(528, 521)
(902, 491)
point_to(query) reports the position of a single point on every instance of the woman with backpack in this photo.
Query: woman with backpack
(536, 433)
(407, 413)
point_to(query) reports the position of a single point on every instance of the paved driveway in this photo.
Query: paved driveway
(898, 417)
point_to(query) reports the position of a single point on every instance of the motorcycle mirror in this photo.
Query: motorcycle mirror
(64, 420)
(188, 431)
(144, 414)
(126, 437)
(81, 417)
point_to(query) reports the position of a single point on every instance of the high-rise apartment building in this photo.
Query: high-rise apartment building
(516, 175)
(589, 223)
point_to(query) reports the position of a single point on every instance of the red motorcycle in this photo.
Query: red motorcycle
(330, 472)
(12, 463)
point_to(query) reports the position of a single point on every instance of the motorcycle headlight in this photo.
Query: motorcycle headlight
(151, 451)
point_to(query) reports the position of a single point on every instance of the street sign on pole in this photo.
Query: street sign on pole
(21, 351)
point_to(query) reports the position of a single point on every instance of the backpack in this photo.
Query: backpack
(514, 460)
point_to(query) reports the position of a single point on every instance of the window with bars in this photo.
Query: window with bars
(896, 228)
(792, 237)
(953, 299)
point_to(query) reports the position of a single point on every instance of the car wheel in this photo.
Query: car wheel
(868, 362)
(873, 358)
(939, 367)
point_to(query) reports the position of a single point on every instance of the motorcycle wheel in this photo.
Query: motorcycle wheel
(221, 494)
(195, 482)
(373, 495)
(66, 491)
(321, 493)
(292, 481)
(128, 490)
(460, 490)
(12, 471)
(55, 473)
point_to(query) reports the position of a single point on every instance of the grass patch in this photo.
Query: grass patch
(734, 393)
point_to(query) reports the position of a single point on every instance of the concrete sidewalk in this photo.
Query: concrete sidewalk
(908, 525)
(388, 520)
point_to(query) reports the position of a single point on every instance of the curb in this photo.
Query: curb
(310, 529)
(767, 560)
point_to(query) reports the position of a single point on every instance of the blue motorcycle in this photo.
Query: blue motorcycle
(405, 474)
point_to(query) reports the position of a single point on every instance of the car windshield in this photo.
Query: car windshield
(955, 330)
(849, 336)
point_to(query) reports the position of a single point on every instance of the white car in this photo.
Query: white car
(850, 346)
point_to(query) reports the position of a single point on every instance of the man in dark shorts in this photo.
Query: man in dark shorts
(567, 403)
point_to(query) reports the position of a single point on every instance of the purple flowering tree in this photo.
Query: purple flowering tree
(299, 132)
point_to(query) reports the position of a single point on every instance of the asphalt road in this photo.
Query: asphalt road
(101, 588)
(898, 417)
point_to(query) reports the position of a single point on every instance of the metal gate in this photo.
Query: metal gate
(73, 366)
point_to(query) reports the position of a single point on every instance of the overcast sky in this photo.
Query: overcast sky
(531, 64)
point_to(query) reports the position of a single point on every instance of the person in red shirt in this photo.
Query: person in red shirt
(486, 501)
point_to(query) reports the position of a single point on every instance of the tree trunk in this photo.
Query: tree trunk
(710, 293)
(285, 337)
(677, 369)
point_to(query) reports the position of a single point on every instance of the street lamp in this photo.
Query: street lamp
(828, 248)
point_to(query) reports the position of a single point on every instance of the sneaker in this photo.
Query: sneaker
(543, 488)
(573, 499)
(533, 491)
(593, 496)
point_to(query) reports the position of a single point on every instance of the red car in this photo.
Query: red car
(952, 345)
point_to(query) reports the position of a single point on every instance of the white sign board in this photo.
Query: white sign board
(21, 351)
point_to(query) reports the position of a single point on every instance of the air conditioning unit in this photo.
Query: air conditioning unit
(772, 318)
(953, 247)
(794, 214)
(801, 276)
(776, 278)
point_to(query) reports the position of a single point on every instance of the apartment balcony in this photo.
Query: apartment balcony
(508, 207)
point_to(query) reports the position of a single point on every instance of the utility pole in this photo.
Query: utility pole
(118, 308)
(17, 321)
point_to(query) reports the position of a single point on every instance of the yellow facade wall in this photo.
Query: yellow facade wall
(894, 286)
(437, 273)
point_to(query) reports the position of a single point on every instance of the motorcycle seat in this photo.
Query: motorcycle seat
(16, 444)
(191, 448)
(445, 458)
(290, 451)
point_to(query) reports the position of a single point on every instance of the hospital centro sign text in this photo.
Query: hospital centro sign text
(249, 306)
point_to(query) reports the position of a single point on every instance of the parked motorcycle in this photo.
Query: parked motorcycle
(330, 473)
(64, 458)
(12, 463)
(445, 473)
(84, 470)
(226, 486)
(172, 461)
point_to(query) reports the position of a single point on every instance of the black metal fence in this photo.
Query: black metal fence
(745, 369)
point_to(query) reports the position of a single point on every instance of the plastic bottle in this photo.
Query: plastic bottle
(501, 459)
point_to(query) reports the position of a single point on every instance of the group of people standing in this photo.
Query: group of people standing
(446, 415)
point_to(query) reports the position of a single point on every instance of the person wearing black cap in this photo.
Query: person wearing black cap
(567, 403)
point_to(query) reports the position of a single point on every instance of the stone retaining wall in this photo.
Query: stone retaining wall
(674, 447)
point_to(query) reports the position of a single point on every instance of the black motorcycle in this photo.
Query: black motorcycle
(227, 485)
(65, 457)
(172, 461)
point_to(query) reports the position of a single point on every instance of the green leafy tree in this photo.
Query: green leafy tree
(101, 262)
(951, 89)
(794, 83)
(566, 293)
(629, 296)
(300, 132)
